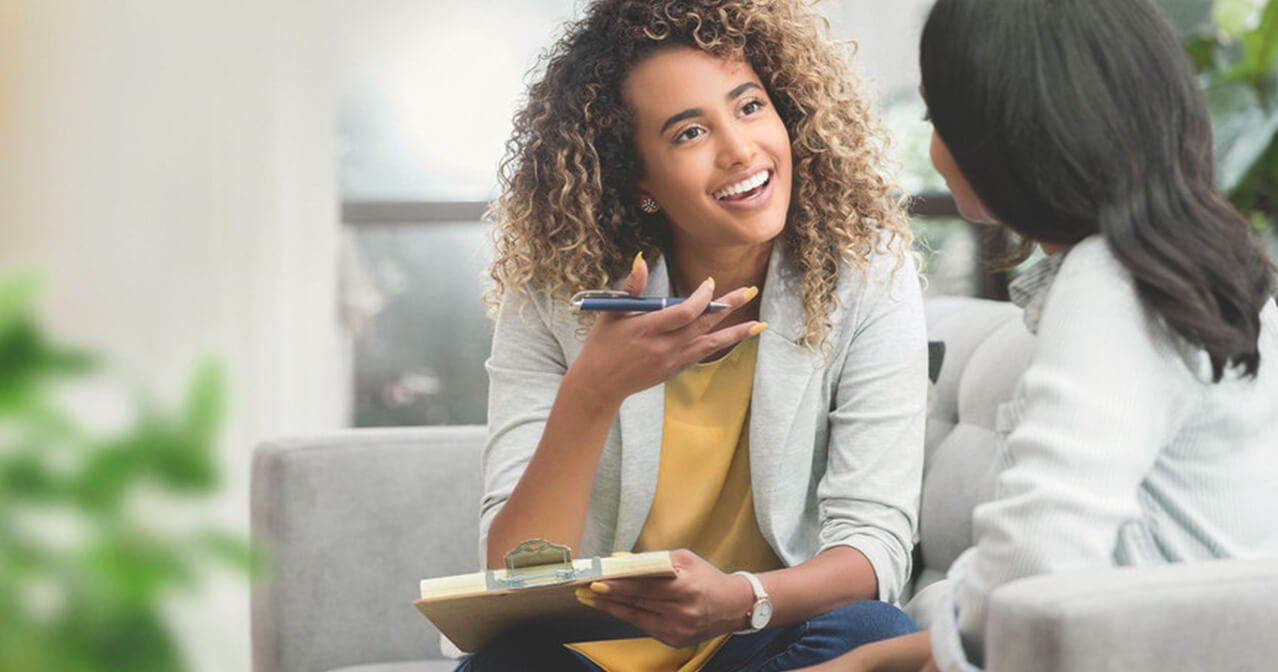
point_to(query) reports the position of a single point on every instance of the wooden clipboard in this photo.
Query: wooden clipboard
(536, 588)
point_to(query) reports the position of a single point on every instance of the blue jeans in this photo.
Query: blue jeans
(817, 640)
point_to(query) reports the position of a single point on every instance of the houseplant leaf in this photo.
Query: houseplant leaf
(1244, 128)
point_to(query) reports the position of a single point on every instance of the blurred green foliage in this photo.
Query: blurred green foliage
(1233, 45)
(84, 565)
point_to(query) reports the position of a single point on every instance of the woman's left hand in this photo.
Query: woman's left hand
(700, 602)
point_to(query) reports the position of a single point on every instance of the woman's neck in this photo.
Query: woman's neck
(731, 268)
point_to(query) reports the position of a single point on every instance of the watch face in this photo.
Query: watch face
(761, 614)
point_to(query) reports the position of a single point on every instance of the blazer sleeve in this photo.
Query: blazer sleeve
(869, 495)
(525, 368)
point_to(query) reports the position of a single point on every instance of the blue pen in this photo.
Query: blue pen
(611, 299)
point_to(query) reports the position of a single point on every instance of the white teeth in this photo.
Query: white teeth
(744, 185)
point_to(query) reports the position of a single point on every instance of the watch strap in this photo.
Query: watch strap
(759, 595)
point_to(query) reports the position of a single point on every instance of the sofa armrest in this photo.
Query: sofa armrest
(350, 523)
(1195, 616)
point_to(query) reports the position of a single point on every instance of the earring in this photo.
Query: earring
(649, 205)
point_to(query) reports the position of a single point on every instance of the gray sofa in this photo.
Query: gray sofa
(353, 519)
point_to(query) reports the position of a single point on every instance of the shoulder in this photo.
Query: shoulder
(532, 303)
(531, 316)
(1092, 289)
(1093, 307)
(887, 279)
(878, 301)
(1091, 263)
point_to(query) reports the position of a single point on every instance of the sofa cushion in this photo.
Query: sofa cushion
(987, 350)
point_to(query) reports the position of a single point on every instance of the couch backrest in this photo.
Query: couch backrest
(351, 522)
(986, 350)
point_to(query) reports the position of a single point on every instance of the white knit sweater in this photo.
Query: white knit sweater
(1118, 449)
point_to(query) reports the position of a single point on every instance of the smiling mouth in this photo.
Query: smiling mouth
(745, 189)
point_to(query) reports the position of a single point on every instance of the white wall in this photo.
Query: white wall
(887, 39)
(168, 166)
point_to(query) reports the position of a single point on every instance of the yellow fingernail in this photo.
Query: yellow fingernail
(638, 260)
(584, 593)
(710, 280)
(751, 293)
(600, 587)
(588, 601)
(758, 328)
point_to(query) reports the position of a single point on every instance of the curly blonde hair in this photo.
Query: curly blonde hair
(568, 216)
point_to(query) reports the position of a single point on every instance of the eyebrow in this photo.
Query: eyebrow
(696, 111)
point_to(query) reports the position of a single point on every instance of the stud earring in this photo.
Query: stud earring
(649, 205)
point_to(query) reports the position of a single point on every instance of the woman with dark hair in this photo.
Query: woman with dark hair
(1143, 430)
(725, 142)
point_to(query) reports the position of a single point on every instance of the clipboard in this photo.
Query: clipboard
(536, 588)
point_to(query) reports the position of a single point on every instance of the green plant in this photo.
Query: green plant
(1233, 45)
(84, 564)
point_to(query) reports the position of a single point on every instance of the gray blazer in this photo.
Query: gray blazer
(836, 444)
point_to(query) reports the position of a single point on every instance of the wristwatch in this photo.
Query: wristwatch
(761, 612)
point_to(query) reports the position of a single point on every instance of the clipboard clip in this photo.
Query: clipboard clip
(538, 562)
(575, 301)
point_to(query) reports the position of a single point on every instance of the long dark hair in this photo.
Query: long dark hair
(1070, 117)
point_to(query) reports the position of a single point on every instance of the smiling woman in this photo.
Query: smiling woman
(727, 143)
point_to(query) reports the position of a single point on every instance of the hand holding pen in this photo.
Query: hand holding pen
(627, 352)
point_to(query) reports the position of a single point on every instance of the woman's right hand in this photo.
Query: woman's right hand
(625, 353)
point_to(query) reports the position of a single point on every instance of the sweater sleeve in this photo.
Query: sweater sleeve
(1096, 405)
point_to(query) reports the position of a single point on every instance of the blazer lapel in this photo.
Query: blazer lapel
(782, 373)
(641, 421)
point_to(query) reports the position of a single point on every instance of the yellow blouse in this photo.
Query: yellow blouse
(704, 500)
